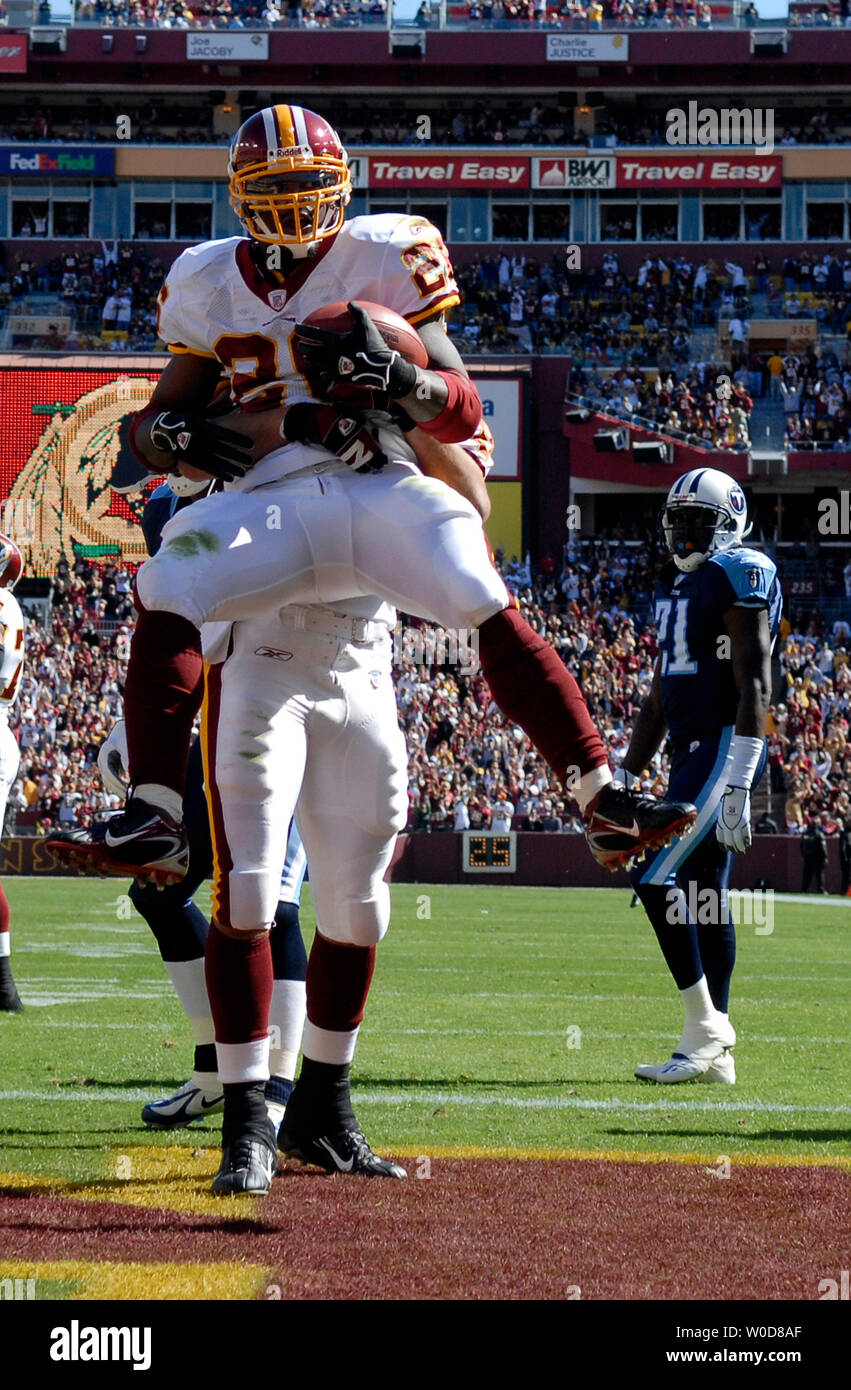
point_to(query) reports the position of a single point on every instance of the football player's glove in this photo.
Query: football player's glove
(191, 438)
(734, 820)
(361, 357)
(344, 433)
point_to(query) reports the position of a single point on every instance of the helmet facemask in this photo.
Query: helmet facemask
(694, 532)
(297, 203)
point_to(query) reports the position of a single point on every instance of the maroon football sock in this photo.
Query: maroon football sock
(162, 695)
(338, 981)
(239, 983)
(534, 688)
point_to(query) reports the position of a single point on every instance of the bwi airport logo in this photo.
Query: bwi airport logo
(581, 171)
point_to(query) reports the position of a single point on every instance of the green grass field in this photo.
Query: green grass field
(500, 1018)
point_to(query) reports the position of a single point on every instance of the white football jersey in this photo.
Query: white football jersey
(215, 304)
(11, 649)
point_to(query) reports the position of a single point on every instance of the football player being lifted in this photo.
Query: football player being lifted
(298, 528)
(718, 610)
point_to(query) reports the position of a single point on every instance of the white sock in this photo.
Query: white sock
(286, 1025)
(698, 1002)
(275, 1111)
(207, 1081)
(190, 986)
(164, 798)
(590, 784)
(703, 1022)
(5, 943)
(248, 1061)
(321, 1045)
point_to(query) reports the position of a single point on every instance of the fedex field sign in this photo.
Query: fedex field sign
(700, 171)
(438, 171)
(27, 159)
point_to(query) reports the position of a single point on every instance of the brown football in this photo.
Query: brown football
(396, 331)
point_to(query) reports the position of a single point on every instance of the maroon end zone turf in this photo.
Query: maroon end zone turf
(486, 1228)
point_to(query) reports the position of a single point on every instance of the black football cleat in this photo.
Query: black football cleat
(625, 824)
(340, 1151)
(10, 1000)
(249, 1163)
(142, 842)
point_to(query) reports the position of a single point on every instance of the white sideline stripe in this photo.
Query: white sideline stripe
(570, 1103)
(72, 1023)
(590, 1034)
(81, 1094)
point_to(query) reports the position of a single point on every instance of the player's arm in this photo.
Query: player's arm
(440, 398)
(174, 431)
(750, 643)
(453, 465)
(648, 730)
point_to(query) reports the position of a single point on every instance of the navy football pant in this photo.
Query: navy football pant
(684, 887)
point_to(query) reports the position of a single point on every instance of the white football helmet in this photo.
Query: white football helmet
(705, 513)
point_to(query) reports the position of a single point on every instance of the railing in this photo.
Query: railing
(600, 405)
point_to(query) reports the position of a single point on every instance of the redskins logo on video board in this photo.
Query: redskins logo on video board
(61, 484)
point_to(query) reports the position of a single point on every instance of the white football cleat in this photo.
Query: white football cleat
(697, 1051)
(678, 1068)
(189, 1103)
(722, 1070)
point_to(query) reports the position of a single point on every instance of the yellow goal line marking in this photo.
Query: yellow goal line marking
(176, 1178)
(749, 1160)
(113, 1279)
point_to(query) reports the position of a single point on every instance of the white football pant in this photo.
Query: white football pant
(301, 717)
(323, 537)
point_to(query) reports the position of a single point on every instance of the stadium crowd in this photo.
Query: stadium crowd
(468, 767)
(381, 121)
(109, 294)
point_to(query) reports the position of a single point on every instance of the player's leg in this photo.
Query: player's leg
(255, 747)
(433, 561)
(353, 803)
(709, 868)
(664, 886)
(289, 970)
(180, 929)
(10, 1001)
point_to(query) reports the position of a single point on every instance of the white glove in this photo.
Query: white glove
(114, 760)
(734, 820)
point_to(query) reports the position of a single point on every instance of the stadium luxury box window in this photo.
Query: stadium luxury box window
(172, 211)
(40, 209)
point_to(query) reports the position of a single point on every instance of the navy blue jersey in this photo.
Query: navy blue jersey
(699, 695)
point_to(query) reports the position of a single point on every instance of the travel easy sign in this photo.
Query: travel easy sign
(56, 160)
(449, 171)
(728, 169)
